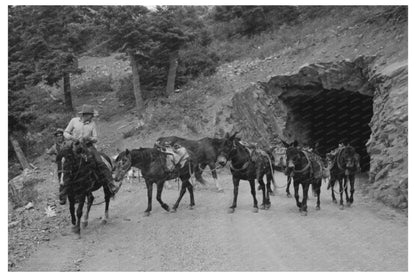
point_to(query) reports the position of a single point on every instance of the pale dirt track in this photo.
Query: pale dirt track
(365, 237)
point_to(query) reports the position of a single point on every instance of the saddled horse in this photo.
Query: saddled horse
(152, 163)
(205, 151)
(247, 165)
(79, 180)
(345, 163)
(307, 170)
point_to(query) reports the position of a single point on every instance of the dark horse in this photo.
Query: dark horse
(345, 164)
(152, 164)
(247, 166)
(79, 180)
(307, 169)
(205, 151)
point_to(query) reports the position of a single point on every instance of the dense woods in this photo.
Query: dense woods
(167, 46)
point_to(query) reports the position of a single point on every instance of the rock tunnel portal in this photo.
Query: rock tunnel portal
(323, 118)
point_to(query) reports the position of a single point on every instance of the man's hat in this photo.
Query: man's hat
(58, 131)
(87, 109)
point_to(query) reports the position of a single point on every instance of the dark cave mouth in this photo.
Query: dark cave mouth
(327, 117)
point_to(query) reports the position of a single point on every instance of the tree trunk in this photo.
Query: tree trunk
(173, 65)
(67, 92)
(19, 153)
(136, 84)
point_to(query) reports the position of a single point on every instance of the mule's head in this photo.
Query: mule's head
(350, 159)
(293, 157)
(226, 148)
(122, 165)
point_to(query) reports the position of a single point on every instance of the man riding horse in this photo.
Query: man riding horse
(84, 128)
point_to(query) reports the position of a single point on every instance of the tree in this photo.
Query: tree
(42, 46)
(127, 30)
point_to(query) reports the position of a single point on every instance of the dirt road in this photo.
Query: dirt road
(365, 237)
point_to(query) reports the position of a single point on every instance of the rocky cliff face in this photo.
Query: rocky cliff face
(325, 102)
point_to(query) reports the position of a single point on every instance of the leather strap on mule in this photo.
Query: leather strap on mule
(306, 167)
(240, 169)
(338, 157)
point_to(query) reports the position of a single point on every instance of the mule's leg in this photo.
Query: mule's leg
(215, 176)
(191, 194)
(296, 187)
(181, 194)
(317, 188)
(289, 179)
(263, 190)
(305, 191)
(253, 193)
(347, 197)
(77, 227)
(331, 185)
(341, 191)
(72, 210)
(159, 195)
(236, 182)
(90, 200)
(198, 173)
(149, 185)
(352, 189)
(107, 196)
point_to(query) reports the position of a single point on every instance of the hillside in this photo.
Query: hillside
(223, 102)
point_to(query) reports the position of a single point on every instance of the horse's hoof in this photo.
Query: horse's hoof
(341, 207)
(262, 207)
(289, 195)
(272, 193)
(303, 213)
(349, 204)
(268, 206)
(335, 201)
(146, 213)
(191, 207)
(103, 221)
(317, 208)
(231, 210)
(76, 230)
(173, 210)
(84, 224)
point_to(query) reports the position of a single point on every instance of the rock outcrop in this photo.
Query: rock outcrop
(264, 114)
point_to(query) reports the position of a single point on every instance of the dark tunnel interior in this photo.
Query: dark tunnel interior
(333, 116)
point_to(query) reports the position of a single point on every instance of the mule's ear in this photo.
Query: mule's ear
(127, 151)
(233, 136)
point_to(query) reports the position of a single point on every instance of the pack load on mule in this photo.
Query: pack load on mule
(205, 152)
(344, 163)
(154, 169)
(248, 164)
(79, 180)
(176, 156)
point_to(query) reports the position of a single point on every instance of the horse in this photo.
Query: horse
(247, 166)
(345, 163)
(78, 179)
(153, 165)
(205, 151)
(307, 169)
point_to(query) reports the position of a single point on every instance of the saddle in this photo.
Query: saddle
(176, 157)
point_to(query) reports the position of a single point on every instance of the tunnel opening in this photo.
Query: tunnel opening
(323, 118)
